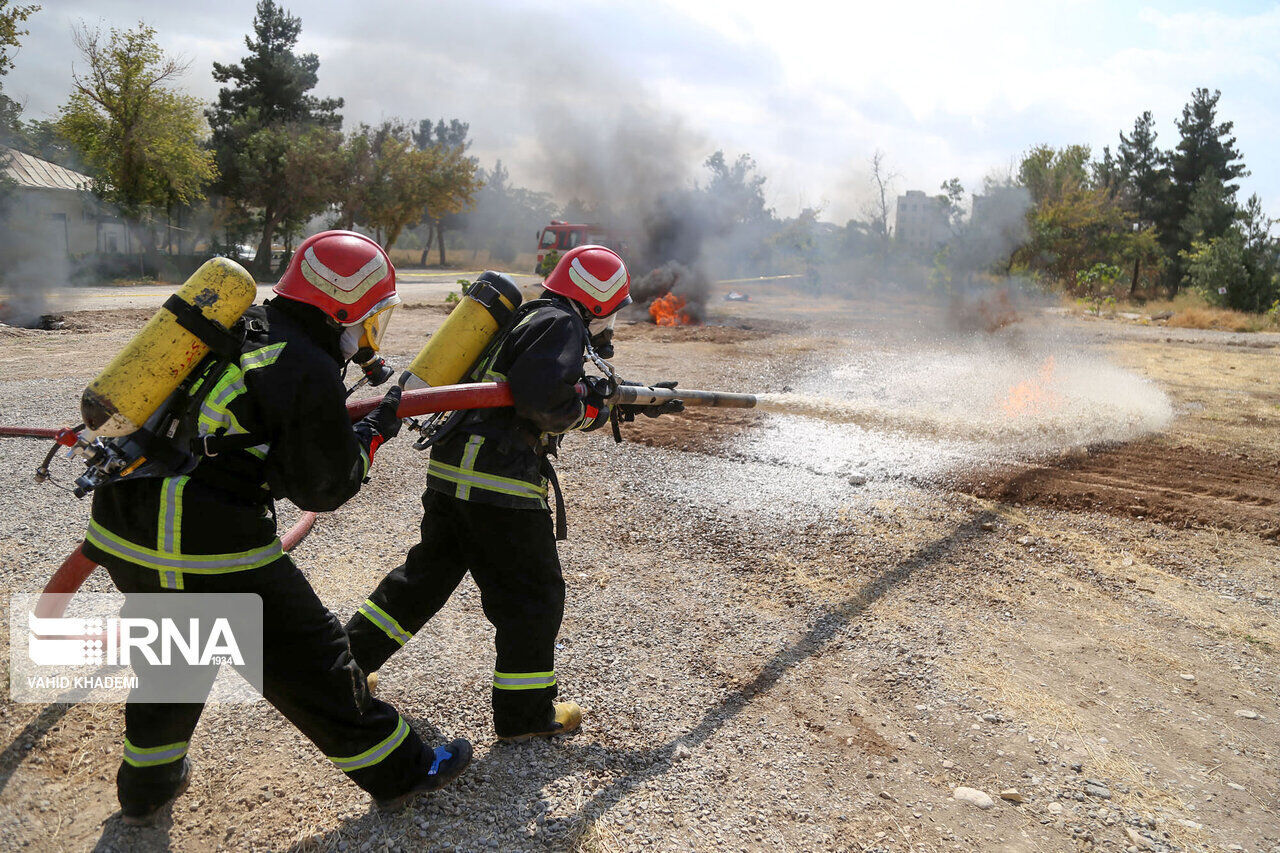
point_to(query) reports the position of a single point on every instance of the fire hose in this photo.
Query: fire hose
(449, 398)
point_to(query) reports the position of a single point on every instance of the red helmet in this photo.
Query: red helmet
(594, 277)
(346, 275)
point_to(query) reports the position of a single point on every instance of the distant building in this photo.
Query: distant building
(58, 198)
(922, 222)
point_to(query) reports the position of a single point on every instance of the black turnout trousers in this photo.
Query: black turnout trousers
(511, 554)
(309, 675)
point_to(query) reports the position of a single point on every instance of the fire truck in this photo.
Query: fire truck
(560, 236)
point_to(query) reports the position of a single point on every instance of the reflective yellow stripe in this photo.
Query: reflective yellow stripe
(264, 357)
(385, 621)
(204, 564)
(152, 756)
(376, 753)
(215, 413)
(491, 482)
(169, 527)
(523, 680)
(469, 454)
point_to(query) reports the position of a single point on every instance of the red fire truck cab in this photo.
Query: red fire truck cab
(560, 236)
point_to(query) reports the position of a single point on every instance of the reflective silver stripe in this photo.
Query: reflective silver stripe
(198, 564)
(385, 621)
(151, 756)
(171, 510)
(469, 454)
(523, 681)
(372, 756)
(169, 580)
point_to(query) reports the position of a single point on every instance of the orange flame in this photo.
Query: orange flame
(667, 310)
(1034, 395)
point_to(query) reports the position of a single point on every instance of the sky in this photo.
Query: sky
(572, 96)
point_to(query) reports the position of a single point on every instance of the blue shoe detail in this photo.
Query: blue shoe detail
(442, 754)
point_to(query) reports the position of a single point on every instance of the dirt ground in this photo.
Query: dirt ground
(771, 655)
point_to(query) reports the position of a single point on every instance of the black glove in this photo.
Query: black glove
(628, 413)
(381, 424)
(595, 404)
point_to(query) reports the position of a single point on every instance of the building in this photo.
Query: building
(55, 203)
(922, 223)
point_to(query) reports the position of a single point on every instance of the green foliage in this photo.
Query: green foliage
(549, 262)
(260, 116)
(1213, 266)
(450, 179)
(389, 182)
(1096, 286)
(1204, 146)
(139, 138)
(736, 190)
(1144, 182)
(12, 17)
(1239, 269)
(454, 297)
(1074, 225)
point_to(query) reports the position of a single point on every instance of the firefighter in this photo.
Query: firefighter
(273, 426)
(485, 508)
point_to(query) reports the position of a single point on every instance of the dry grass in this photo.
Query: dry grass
(1191, 311)
(1188, 311)
(1223, 319)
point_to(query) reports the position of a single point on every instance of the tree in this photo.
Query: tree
(1074, 224)
(139, 137)
(1203, 145)
(11, 19)
(1239, 268)
(505, 216)
(1144, 184)
(388, 181)
(452, 182)
(304, 159)
(953, 197)
(268, 94)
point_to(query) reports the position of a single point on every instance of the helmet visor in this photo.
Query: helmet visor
(375, 325)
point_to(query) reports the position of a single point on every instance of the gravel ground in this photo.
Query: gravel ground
(771, 653)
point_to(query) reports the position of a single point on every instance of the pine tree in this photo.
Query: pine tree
(267, 97)
(1204, 145)
(1144, 183)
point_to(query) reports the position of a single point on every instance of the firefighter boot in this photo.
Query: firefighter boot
(148, 802)
(568, 719)
(448, 764)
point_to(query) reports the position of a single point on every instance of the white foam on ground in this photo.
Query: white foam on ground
(853, 429)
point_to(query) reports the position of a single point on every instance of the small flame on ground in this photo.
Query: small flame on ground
(668, 310)
(1035, 395)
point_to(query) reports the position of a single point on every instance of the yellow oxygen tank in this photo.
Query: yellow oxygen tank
(160, 357)
(452, 351)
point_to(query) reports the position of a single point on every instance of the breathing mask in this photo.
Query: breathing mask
(368, 333)
(600, 331)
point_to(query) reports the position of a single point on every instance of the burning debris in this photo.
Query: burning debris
(1035, 395)
(675, 295)
(669, 310)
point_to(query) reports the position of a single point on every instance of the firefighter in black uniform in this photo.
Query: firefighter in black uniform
(485, 507)
(280, 419)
